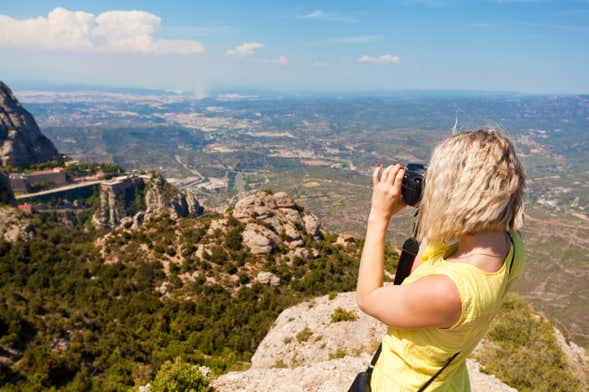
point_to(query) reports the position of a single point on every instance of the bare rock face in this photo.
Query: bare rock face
(259, 239)
(335, 375)
(280, 216)
(112, 207)
(283, 200)
(6, 195)
(159, 197)
(281, 343)
(194, 207)
(575, 355)
(13, 225)
(306, 351)
(138, 220)
(312, 224)
(21, 141)
(268, 278)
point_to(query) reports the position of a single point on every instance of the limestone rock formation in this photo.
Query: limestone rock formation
(13, 225)
(269, 218)
(157, 195)
(21, 141)
(113, 195)
(576, 356)
(160, 196)
(281, 343)
(268, 278)
(6, 195)
(326, 356)
(259, 239)
(138, 220)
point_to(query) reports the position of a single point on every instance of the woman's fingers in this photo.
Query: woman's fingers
(385, 174)
(398, 179)
(375, 174)
(392, 173)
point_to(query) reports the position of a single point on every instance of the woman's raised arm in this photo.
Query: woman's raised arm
(433, 301)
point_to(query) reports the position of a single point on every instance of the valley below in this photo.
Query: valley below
(321, 150)
(203, 220)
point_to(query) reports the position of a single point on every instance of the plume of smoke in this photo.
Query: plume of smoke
(455, 127)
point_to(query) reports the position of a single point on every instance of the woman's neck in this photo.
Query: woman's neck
(486, 250)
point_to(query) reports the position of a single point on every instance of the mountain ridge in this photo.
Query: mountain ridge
(21, 140)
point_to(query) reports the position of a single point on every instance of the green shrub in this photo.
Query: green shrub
(280, 364)
(304, 335)
(523, 351)
(180, 376)
(340, 314)
(339, 353)
(244, 278)
(233, 239)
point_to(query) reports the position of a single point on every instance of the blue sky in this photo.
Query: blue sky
(518, 45)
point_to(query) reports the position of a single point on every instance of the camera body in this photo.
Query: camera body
(413, 182)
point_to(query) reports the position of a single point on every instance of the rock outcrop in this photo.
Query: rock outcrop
(307, 351)
(160, 196)
(274, 218)
(268, 278)
(13, 225)
(6, 194)
(129, 200)
(576, 356)
(21, 141)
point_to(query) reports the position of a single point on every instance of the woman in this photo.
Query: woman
(470, 254)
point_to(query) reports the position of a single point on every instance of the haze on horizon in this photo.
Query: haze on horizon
(493, 45)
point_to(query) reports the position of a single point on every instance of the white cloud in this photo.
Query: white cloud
(384, 59)
(321, 15)
(313, 15)
(108, 32)
(244, 50)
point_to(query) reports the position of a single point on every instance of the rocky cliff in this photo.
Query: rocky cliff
(6, 195)
(160, 196)
(14, 225)
(127, 201)
(21, 141)
(307, 350)
(263, 238)
(272, 217)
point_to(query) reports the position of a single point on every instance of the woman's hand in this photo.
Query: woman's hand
(387, 198)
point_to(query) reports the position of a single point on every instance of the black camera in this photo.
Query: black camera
(413, 182)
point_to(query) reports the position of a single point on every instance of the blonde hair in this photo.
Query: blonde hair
(474, 183)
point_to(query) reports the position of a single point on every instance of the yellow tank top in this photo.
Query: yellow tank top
(410, 357)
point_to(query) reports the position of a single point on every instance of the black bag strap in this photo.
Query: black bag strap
(437, 373)
(513, 252)
(375, 356)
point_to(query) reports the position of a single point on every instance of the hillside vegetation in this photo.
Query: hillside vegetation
(89, 310)
(104, 310)
(522, 350)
